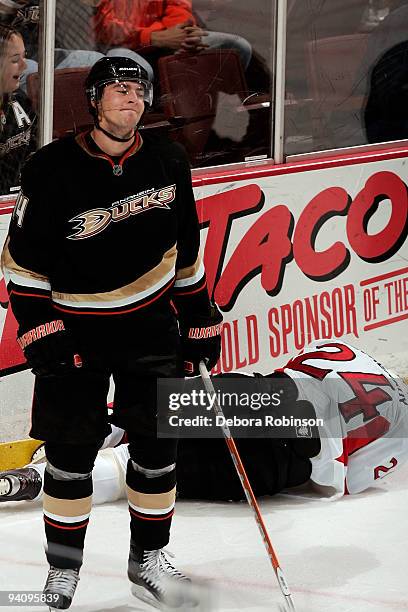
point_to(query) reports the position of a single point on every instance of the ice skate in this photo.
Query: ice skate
(156, 581)
(38, 455)
(21, 484)
(60, 587)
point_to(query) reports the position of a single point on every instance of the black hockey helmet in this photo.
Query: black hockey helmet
(116, 69)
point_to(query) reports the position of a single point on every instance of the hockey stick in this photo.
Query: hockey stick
(249, 494)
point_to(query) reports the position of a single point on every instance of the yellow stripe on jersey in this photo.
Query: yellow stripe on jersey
(138, 290)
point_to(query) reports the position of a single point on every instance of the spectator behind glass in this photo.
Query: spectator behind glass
(159, 27)
(74, 30)
(17, 118)
(24, 15)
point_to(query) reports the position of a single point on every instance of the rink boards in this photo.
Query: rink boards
(293, 254)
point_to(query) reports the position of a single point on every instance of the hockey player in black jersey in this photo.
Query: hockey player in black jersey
(105, 278)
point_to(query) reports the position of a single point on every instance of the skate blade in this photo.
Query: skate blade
(196, 596)
(38, 455)
(141, 593)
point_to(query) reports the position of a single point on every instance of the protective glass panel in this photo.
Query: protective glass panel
(346, 66)
(76, 50)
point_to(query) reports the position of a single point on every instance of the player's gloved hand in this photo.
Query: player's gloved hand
(201, 340)
(50, 349)
(304, 440)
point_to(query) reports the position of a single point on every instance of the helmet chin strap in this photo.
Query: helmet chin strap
(112, 136)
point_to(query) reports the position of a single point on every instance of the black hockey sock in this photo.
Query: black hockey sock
(67, 502)
(67, 505)
(151, 495)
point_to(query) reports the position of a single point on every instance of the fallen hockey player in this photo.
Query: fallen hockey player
(345, 386)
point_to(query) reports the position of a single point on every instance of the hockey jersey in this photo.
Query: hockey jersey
(364, 410)
(17, 138)
(104, 240)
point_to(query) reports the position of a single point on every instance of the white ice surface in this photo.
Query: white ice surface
(349, 555)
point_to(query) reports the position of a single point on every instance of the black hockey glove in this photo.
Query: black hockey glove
(201, 340)
(49, 349)
(305, 439)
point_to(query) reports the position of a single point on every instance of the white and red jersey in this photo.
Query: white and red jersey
(364, 409)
